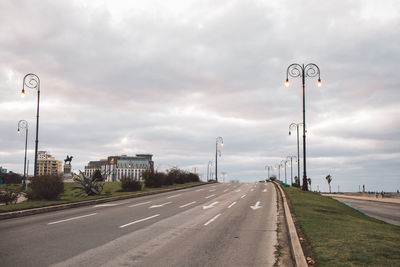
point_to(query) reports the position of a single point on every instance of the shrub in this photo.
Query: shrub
(89, 186)
(48, 187)
(128, 185)
(9, 196)
(11, 178)
(98, 176)
(154, 179)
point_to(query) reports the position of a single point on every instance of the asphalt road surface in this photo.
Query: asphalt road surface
(387, 212)
(212, 225)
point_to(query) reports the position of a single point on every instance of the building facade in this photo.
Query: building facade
(48, 165)
(115, 167)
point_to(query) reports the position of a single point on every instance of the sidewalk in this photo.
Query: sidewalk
(384, 200)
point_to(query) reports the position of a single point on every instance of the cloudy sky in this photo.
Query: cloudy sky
(168, 77)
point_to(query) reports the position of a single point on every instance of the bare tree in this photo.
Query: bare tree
(329, 180)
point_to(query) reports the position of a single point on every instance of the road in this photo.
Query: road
(387, 212)
(212, 225)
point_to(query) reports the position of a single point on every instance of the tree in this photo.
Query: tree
(11, 178)
(329, 180)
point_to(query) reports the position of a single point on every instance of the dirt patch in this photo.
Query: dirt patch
(283, 251)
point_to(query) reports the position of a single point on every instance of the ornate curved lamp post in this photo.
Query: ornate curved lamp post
(303, 71)
(291, 127)
(220, 141)
(268, 168)
(209, 164)
(291, 168)
(32, 81)
(23, 124)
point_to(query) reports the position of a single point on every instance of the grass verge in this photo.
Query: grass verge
(342, 236)
(110, 190)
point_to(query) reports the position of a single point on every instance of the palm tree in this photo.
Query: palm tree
(329, 180)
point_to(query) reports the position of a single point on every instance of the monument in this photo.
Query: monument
(67, 167)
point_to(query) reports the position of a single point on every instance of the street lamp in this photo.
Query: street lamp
(291, 168)
(208, 170)
(267, 168)
(220, 141)
(32, 81)
(303, 71)
(291, 126)
(279, 168)
(284, 162)
(23, 124)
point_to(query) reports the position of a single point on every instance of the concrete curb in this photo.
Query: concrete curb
(296, 249)
(20, 213)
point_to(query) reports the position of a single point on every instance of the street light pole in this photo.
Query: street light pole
(291, 168)
(32, 81)
(284, 162)
(220, 141)
(303, 71)
(291, 126)
(208, 170)
(267, 168)
(23, 124)
(279, 171)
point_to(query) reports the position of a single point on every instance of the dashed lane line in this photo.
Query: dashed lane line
(73, 218)
(141, 220)
(174, 196)
(230, 206)
(139, 204)
(210, 196)
(188, 204)
(243, 196)
(212, 219)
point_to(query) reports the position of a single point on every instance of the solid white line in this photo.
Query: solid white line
(213, 219)
(141, 220)
(74, 218)
(134, 205)
(212, 190)
(243, 196)
(231, 205)
(174, 196)
(210, 196)
(188, 204)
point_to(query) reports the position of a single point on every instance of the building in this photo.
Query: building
(48, 165)
(115, 167)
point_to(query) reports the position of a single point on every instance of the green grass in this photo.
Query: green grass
(342, 236)
(110, 190)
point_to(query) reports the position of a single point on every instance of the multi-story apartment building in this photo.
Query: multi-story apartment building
(115, 167)
(48, 165)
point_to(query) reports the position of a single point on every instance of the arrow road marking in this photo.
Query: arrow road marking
(256, 206)
(141, 220)
(210, 196)
(160, 205)
(74, 218)
(188, 204)
(210, 206)
(231, 205)
(243, 196)
(174, 196)
(213, 219)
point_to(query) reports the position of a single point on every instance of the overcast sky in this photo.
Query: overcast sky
(168, 77)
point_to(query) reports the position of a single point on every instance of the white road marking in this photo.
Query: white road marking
(213, 219)
(74, 218)
(256, 206)
(238, 190)
(210, 196)
(226, 190)
(174, 196)
(252, 190)
(243, 196)
(138, 204)
(211, 190)
(141, 220)
(210, 206)
(160, 205)
(265, 190)
(188, 204)
(109, 204)
(199, 189)
(230, 206)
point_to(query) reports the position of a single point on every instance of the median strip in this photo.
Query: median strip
(74, 218)
(138, 221)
